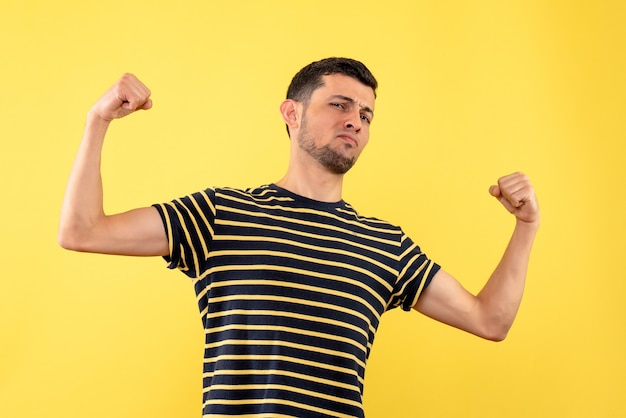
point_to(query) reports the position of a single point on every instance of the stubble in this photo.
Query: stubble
(325, 155)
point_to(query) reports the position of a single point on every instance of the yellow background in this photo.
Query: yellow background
(469, 91)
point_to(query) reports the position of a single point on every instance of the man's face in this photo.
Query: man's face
(335, 124)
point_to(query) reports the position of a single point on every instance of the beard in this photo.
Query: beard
(326, 156)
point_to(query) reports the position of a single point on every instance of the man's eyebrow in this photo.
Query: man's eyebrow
(351, 100)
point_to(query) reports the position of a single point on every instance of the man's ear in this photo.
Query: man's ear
(290, 110)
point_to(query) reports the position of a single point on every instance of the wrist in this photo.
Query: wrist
(94, 118)
(96, 127)
(529, 226)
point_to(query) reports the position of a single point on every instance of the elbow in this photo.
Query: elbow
(69, 238)
(499, 337)
(496, 333)
(83, 236)
(495, 324)
(66, 241)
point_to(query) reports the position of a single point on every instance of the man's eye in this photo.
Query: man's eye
(337, 105)
(365, 118)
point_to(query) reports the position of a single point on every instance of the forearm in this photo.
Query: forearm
(83, 202)
(501, 296)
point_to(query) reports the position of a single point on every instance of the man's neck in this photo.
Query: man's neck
(313, 184)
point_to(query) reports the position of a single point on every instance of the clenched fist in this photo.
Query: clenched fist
(126, 96)
(517, 195)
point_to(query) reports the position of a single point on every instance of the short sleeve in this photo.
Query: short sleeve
(416, 271)
(189, 225)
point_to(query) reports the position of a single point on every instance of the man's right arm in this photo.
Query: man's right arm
(84, 226)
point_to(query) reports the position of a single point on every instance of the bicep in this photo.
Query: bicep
(138, 232)
(446, 301)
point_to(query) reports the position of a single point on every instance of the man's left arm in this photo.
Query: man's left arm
(491, 312)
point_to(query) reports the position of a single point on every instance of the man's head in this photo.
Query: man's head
(310, 78)
(328, 111)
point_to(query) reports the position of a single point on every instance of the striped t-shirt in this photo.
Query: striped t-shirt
(290, 292)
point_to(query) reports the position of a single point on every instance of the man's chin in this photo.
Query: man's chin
(340, 166)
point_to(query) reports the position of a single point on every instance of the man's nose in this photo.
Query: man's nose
(353, 122)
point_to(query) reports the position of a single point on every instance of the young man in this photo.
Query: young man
(291, 281)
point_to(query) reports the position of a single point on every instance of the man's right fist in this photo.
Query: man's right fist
(126, 96)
